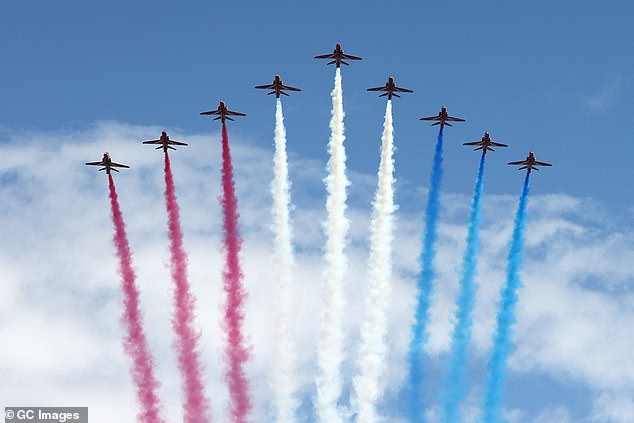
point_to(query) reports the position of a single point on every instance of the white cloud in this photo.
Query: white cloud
(614, 407)
(554, 415)
(59, 308)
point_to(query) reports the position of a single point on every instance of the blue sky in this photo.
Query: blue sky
(554, 77)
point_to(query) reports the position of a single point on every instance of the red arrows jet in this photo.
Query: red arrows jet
(443, 118)
(338, 55)
(107, 164)
(485, 144)
(530, 163)
(165, 142)
(277, 87)
(390, 88)
(222, 112)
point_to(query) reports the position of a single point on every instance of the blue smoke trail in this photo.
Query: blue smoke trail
(425, 285)
(464, 302)
(506, 315)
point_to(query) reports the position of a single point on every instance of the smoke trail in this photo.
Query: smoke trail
(236, 351)
(195, 404)
(373, 350)
(283, 381)
(465, 300)
(506, 314)
(425, 287)
(330, 350)
(135, 343)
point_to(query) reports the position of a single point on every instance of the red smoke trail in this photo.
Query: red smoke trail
(195, 404)
(135, 343)
(236, 352)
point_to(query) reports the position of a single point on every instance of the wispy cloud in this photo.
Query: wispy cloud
(604, 97)
(614, 407)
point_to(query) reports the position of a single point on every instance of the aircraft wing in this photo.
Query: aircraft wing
(542, 164)
(266, 87)
(153, 142)
(402, 90)
(325, 56)
(497, 144)
(176, 142)
(455, 119)
(378, 89)
(350, 57)
(286, 87)
(95, 163)
(113, 164)
(211, 112)
(473, 143)
(430, 118)
(229, 112)
(522, 162)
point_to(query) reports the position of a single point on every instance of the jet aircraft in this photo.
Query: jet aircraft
(529, 163)
(485, 144)
(443, 118)
(222, 112)
(107, 164)
(165, 142)
(338, 55)
(277, 86)
(390, 88)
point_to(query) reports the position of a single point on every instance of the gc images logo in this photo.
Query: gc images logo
(46, 414)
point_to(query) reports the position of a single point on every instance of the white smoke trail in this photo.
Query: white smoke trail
(330, 349)
(373, 350)
(283, 382)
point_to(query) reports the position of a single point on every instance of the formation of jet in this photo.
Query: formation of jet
(339, 57)
(529, 163)
(443, 118)
(390, 89)
(277, 86)
(485, 144)
(107, 164)
(165, 142)
(222, 112)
